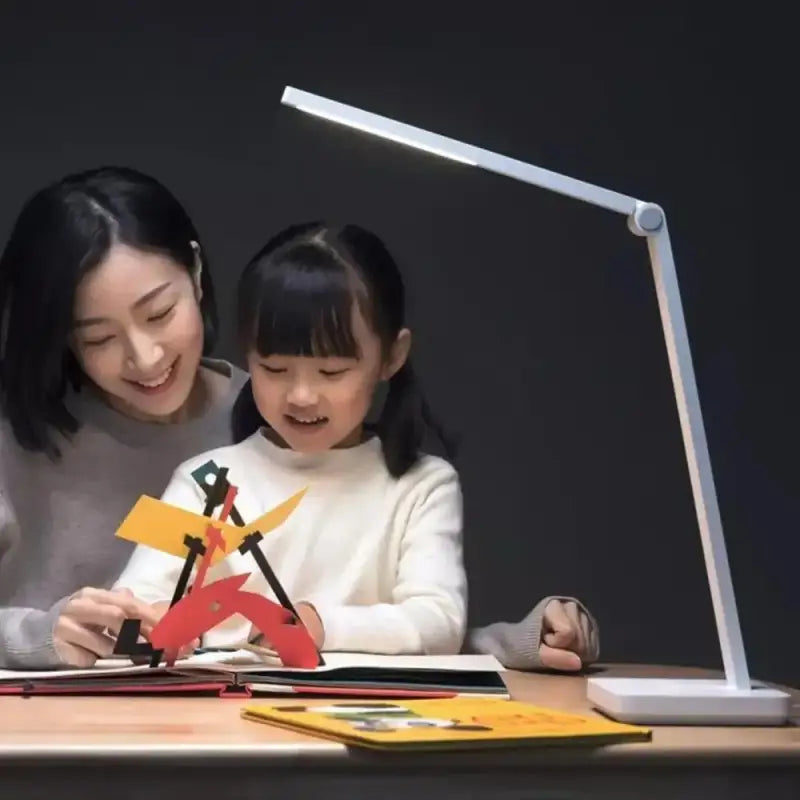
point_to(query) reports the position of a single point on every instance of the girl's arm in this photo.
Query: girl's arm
(427, 611)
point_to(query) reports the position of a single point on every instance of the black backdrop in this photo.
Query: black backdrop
(537, 331)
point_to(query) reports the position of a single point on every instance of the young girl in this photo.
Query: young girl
(372, 555)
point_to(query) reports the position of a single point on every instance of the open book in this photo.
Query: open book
(252, 674)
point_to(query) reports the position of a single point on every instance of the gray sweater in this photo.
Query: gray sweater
(57, 521)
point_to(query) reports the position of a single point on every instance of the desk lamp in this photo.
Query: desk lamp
(734, 700)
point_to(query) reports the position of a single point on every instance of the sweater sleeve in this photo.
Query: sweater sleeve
(26, 638)
(427, 611)
(150, 573)
(26, 634)
(516, 644)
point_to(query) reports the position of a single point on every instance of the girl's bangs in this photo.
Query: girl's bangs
(306, 312)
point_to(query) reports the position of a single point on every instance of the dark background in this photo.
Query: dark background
(537, 330)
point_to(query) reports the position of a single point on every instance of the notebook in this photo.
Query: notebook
(451, 724)
(243, 672)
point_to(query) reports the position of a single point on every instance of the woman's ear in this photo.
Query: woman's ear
(398, 354)
(197, 271)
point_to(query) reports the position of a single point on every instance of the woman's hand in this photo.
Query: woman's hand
(568, 637)
(91, 619)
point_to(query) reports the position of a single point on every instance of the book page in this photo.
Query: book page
(249, 661)
(122, 665)
(471, 663)
(242, 661)
(103, 667)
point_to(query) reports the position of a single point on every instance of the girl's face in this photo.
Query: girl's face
(138, 331)
(315, 404)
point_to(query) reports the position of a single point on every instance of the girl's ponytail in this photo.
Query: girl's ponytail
(403, 422)
(245, 416)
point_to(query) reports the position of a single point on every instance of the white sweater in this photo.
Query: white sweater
(379, 558)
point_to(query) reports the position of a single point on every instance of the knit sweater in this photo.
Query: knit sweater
(378, 557)
(58, 518)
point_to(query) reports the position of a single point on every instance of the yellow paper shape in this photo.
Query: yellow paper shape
(157, 524)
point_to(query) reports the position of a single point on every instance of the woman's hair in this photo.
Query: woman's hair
(295, 297)
(62, 232)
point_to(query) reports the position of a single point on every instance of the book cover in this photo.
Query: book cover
(457, 723)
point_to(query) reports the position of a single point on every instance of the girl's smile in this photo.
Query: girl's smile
(305, 424)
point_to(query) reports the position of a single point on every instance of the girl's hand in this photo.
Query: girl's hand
(308, 616)
(91, 619)
(568, 637)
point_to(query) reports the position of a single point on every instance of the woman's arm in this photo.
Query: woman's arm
(26, 638)
(558, 633)
(70, 632)
(26, 634)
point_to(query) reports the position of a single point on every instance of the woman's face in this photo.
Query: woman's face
(138, 331)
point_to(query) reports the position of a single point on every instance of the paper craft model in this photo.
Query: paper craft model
(195, 610)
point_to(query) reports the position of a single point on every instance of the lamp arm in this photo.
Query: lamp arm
(644, 219)
(453, 149)
(650, 221)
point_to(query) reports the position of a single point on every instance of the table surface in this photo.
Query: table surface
(208, 728)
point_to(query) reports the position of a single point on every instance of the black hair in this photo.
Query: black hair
(62, 232)
(295, 297)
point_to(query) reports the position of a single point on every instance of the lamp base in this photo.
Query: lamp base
(661, 701)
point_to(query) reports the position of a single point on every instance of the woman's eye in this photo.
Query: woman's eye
(332, 373)
(97, 342)
(161, 314)
(273, 370)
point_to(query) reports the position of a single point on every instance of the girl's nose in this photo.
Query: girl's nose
(302, 394)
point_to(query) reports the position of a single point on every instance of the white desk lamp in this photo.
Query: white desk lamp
(734, 700)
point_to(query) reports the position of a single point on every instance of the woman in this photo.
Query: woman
(107, 311)
(107, 317)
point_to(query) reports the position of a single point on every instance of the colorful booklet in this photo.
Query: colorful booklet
(252, 674)
(451, 724)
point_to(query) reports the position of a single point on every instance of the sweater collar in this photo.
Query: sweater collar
(89, 408)
(367, 454)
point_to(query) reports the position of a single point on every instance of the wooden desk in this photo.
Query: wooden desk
(70, 747)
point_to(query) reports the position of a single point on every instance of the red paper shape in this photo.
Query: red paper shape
(207, 606)
(203, 607)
